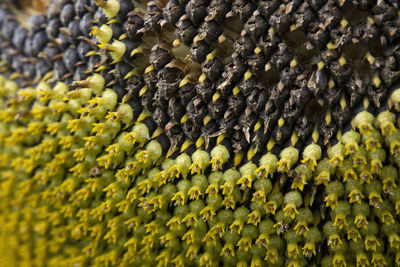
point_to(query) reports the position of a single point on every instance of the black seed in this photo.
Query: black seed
(52, 28)
(63, 41)
(243, 9)
(160, 99)
(67, 14)
(197, 10)
(330, 15)
(48, 53)
(247, 86)
(39, 42)
(316, 4)
(327, 130)
(85, 25)
(213, 68)
(28, 46)
(196, 110)
(80, 7)
(116, 30)
(125, 6)
(192, 130)
(340, 73)
(377, 95)
(73, 28)
(282, 57)
(256, 100)
(199, 51)
(267, 8)
(205, 89)
(173, 11)
(280, 22)
(52, 11)
(303, 127)
(133, 23)
(79, 73)
(153, 17)
(59, 69)
(16, 62)
(236, 104)
(289, 75)
(160, 117)
(150, 78)
(8, 28)
(209, 32)
(82, 49)
(42, 68)
(256, 25)
(147, 100)
(185, 30)
(100, 17)
(318, 37)
(239, 142)
(300, 96)
(332, 96)
(244, 46)
(217, 10)
(291, 112)
(168, 80)
(216, 109)
(70, 58)
(175, 109)
(269, 44)
(270, 115)
(257, 62)
(37, 23)
(19, 36)
(282, 133)
(160, 56)
(29, 70)
(227, 123)
(186, 93)
(120, 90)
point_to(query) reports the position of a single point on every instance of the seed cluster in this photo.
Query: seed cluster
(204, 133)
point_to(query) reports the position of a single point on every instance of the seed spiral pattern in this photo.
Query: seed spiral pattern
(201, 133)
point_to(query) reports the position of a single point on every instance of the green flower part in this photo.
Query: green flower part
(393, 141)
(313, 237)
(376, 159)
(341, 211)
(275, 200)
(110, 7)
(200, 160)
(181, 166)
(302, 174)
(289, 156)
(311, 154)
(215, 180)
(139, 135)
(303, 219)
(373, 192)
(219, 155)
(350, 140)
(292, 201)
(389, 176)
(268, 165)
(103, 34)
(262, 189)
(334, 191)
(325, 169)
(247, 172)
(360, 213)
(364, 122)
(385, 121)
(199, 185)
